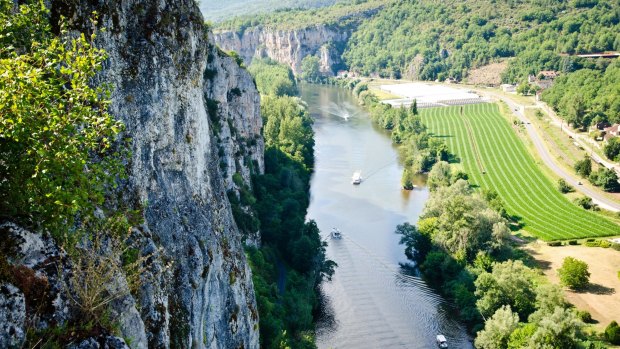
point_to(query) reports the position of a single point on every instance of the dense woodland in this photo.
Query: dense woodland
(217, 10)
(588, 96)
(436, 40)
(446, 39)
(291, 262)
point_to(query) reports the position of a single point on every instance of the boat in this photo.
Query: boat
(336, 234)
(357, 178)
(441, 341)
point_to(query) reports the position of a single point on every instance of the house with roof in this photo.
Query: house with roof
(611, 132)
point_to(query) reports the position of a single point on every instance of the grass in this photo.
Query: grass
(529, 195)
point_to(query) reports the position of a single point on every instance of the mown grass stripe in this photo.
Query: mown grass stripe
(512, 172)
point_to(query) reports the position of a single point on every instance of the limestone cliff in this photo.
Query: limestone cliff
(194, 120)
(288, 46)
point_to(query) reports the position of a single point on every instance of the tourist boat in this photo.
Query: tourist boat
(441, 341)
(357, 178)
(336, 234)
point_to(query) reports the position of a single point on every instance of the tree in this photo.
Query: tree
(509, 283)
(606, 179)
(414, 107)
(558, 330)
(612, 149)
(497, 329)
(520, 337)
(407, 179)
(574, 273)
(440, 175)
(417, 244)
(584, 167)
(564, 187)
(53, 123)
(586, 203)
(311, 69)
(612, 333)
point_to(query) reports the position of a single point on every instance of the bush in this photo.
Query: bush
(554, 243)
(574, 273)
(586, 203)
(584, 316)
(573, 242)
(612, 333)
(564, 187)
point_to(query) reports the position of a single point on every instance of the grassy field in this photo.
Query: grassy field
(485, 141)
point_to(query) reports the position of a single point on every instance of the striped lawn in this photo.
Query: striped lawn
(512, 172)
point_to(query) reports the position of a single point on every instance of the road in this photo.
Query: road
(545, 155)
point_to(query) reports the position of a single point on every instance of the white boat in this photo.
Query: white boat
(357, 178)
(336, 234)
(441, 341)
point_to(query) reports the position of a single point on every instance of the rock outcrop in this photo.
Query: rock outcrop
(288, 46)
(193, 116)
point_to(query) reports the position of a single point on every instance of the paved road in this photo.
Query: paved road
(547, 158)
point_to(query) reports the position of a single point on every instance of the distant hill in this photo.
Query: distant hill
(219, 10)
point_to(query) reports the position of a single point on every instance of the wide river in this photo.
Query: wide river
(371, 302)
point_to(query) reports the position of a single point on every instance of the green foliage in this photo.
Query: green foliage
(288, 128)
(273, 78)
(344, 15)
(435, 40)
(54, 123)
(216, 10)
(586, 203)
(512, 172)
(464, 222)
(584, 167)
(311, 69)
(509, 283)
(612, 333)
(605, 178)
(564, 187)
(497, 329)
(584, 316)
(440, 176)
(612, 149)
(574, 273)
(587, 95)
(291, 262)
(527, 89)
(520, 337)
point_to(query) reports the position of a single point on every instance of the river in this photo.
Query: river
(371, 302)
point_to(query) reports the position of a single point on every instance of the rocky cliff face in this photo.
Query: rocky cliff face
(289, 47)
(194, 118)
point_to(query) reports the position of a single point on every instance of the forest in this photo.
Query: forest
(291, 262)
(432, 40)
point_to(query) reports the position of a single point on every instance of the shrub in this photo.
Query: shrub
(554, 243)
(574, 273)
(612, 333)
(101, 252)
(586, 203)
(53, 132)
(564, 187)
(584, 316)
(573, 242)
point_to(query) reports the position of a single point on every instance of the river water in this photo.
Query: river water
(371, 302)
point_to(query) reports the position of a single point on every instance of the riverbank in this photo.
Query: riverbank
(371, 302)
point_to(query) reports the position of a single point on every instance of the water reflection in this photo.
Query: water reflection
(372, 302)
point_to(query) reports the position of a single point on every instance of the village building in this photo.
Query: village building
(611, 132)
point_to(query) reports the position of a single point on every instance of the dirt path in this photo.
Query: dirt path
(602, 297)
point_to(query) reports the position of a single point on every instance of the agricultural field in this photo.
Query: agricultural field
(495, 158)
